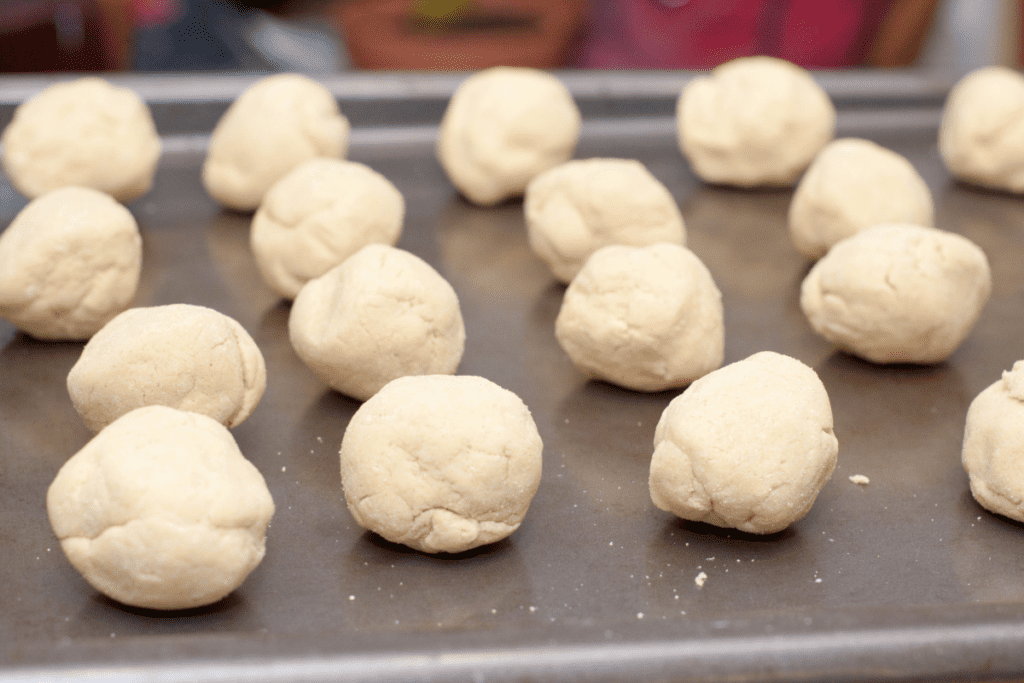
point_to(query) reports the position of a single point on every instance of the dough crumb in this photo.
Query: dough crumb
(700, 579)
(859, 479)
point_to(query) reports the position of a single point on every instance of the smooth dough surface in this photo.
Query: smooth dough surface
(575, 208)
(441, 463)
(85, 133)
(275, 125)
(754, 121)
(69, 262)
(161, 510)
(898, 293)
(645, 318)
(183, 356)
(382, 314)
(748, 446)
(502, 127)
(317, 216)
(852, 185)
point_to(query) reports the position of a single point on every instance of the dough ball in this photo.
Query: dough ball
(275, 125)
(183, 356)
(753, 121)
(161, 510)
(981, 138)
(69, 262)
(382, 314)
(645, 318)
(852, 185)
(748, 446)
(441, 463)
(502, 127)
(317, 216)
(898, 293)
(574, 209)
(993, 452)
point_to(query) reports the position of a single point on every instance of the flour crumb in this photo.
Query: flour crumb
(859, 479)
(700, 579)
(532, 608)
(283, 469)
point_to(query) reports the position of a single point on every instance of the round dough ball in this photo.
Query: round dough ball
(898, 293)
(275, 125)
(748, 446)
(382, 314)
(645, 318)
(574, 209)
(183, 356)
(161, 510)
(441, 463)
(86, 133)
(981, 137)
(502, 127)
(69, 262)
(317, 216)
(852, 185)
(993, 451)
(754, 121)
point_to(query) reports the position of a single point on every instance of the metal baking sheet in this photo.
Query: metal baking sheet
(903, 579)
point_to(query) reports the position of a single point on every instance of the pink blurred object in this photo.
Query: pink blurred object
(155, 12)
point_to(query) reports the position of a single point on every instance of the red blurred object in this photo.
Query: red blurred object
(50, 35)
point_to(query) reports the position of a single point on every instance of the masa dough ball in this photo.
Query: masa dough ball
(86, 133)
(753, 121)
(317, 216)
(275, 125)
(161, 510)
(981, 137)
(645, 318)
(898, 293)
(852, 185)
(69, 262)
(441, 463)
(502, 127)
(748, 446)
(382, 314)
(186, 357)
(574, 209)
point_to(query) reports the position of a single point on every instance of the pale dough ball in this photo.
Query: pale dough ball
(993, 451)
(69, 262)
(502, 127)
(981, 138)
(317, 216)
(574, 209)
(183, 356)
(748, 446)
(161, 510)
(898, 293)
(86, 133)
(382, 314)
(753, 121)
(441, 463)
(275, 125)
(852, 185)
(645, 318)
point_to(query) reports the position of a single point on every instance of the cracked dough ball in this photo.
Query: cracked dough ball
(898, 293)
(850, 186)
(993, 452)
(441, 463)
(382, 314)
(645, 318)
(574, 209)
(981, 137)
(275, 125)
(86, 133)
(183, 356)
(317, 216)
(748, 446)
(69, 262)
(161, 510)
(502, 127)
(754, 121)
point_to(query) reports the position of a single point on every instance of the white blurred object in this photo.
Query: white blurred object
(307, 47)
(970, 34)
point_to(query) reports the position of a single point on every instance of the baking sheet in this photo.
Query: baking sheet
(901, 579)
